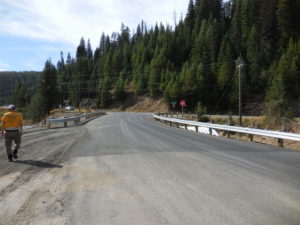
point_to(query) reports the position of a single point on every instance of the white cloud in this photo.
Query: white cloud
(67, 21)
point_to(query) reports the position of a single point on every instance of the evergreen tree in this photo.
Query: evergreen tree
(276, 104)
(268, 27)
(74, 89)
(253, 55)
(81, 49)
(236, 30)
(120, 93)
(21, 96)
(225, 62)
(89, 51)
(61, 78)
(104, 94)
(289, 67)
(190, 16)
(288, 16)
(200, 111)
(47, 87)
(36, 110)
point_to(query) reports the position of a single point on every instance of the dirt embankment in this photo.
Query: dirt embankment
(139, 104)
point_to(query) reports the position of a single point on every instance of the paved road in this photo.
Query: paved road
(127, 169)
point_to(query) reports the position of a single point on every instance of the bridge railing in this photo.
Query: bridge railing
(75, 119)
(281, 136)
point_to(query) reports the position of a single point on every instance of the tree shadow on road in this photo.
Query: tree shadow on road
(39, 164)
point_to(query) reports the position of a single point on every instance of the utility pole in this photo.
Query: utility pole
(240, 63)
(60, 100)
(79, 95)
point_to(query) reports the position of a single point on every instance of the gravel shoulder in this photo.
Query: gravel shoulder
(24, 181)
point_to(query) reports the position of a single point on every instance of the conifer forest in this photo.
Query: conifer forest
(199, 58)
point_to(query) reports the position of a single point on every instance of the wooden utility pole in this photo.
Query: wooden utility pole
(240, 63)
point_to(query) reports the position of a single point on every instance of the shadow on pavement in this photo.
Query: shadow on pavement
(38, 164)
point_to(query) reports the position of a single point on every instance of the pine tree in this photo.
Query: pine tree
(253, 55)
(288, 16)
(61, 78)
(156, 70)
(89, 51)
(225, 62)
(74, 89)
(104, 94)
(190, 16)
(21, 97)
(120, 94)
(200, 111)
(236, 30)
(276, 104)
(81, 49)
(47, 87)
(36, 110)
(289, 67)
(269, 30)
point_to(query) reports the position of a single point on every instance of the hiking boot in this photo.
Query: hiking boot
(10, 158)
(15, 152)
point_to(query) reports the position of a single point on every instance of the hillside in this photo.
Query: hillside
(218, 48)
(11, 82)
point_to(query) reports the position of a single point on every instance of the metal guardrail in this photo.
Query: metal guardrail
(76, 119)
(250, 131)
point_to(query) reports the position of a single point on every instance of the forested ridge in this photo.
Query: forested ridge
(17, 84)
(195, 59)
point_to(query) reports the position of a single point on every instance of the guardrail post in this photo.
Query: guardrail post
(165, 122)
(170, 123)
(177, 125)
(196, 127)
(228, 134)
(185, 126)
(210, 131)
(251, 137)
(65, 124)
(280, 142)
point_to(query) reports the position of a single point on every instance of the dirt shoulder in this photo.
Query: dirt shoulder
(22, 181)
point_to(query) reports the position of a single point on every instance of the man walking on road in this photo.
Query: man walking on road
(12, 125)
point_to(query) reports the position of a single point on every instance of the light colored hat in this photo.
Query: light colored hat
(11, 107)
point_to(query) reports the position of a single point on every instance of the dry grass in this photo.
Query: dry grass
(289, 145)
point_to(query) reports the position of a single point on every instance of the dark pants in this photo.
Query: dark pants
(9, 138)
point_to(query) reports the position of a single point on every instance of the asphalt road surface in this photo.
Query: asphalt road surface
(128, 169)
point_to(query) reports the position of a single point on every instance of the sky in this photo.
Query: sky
(32, 31)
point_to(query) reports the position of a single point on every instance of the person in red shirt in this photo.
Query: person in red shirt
(12, 125)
